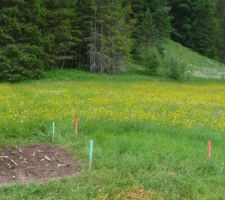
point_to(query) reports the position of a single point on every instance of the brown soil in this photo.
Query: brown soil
(38, 162)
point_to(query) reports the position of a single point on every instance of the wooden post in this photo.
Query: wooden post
(209, 149)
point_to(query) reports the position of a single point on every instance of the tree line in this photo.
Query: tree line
(104, 36)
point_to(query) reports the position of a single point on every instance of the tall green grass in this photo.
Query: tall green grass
(192, 59)
(171, 161)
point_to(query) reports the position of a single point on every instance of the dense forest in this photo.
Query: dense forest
(104, 36)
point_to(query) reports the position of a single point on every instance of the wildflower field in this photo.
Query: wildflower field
(147, 133)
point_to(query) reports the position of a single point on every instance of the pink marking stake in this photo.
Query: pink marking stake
(209, 149)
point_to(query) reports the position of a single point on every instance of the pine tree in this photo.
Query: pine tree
(183, 17)
(159, 10)
(203, 27)
(21, 52)
(152, 26)
(194, 22)
(62, 34)
(85, 13)
(146, 32)
(220, 42)
(105, 34)
(96, 35)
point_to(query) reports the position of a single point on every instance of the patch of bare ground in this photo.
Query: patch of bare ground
(39, 162)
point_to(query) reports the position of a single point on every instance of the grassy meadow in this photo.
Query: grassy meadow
(197, 64)
(193, 59)
(148, 134)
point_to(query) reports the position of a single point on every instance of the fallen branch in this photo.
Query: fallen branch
(4, 157)
(13, 162)
(47, 158)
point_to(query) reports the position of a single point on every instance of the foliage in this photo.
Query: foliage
(62, 35)
(20, 62)
(220, 33)
(21, 53)
(152, 26)
(150, 60)
(195, 24)
(173, 69)
(203, 27)
(104, 35)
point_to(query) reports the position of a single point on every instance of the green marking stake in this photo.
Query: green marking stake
(90, 154)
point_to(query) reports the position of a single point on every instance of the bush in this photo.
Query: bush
(19, 62)
(173, 69)
(150, 60)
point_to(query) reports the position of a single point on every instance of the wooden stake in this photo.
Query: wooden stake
(209, 149)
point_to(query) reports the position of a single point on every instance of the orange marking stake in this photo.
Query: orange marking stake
(76, 123)
(209, 149)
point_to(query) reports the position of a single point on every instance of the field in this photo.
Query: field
(149, 135)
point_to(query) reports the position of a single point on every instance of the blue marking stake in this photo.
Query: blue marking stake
(91, 154)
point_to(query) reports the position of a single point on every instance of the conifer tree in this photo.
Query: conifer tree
(194, 23)
(105, 34)
(203, 27)
(146, 32)
(21, 52)
(159, 13)
(182, 21)
(220, 41)
(62, 34)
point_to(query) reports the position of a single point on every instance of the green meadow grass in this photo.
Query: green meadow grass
(196, 64)
(171, 161)
(191, 58)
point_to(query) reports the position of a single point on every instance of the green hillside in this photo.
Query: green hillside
(198, 64)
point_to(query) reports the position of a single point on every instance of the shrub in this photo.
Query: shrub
(173, 69)
(150, 60)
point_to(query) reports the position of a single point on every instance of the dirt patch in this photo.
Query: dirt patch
(39, 162)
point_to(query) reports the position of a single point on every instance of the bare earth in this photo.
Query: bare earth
(39, 162)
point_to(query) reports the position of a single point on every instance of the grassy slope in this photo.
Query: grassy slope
(169, 160)
(201, 65)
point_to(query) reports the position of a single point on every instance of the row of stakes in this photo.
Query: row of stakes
(76, 122)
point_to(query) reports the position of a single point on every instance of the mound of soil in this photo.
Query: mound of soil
(38, 162)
